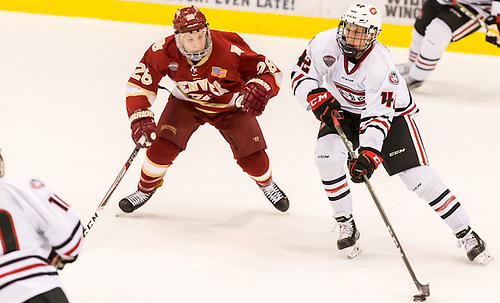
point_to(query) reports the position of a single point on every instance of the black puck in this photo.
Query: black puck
(419, 298)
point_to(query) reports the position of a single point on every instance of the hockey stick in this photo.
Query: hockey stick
(423, 289)
(492, 35)
(105, 200)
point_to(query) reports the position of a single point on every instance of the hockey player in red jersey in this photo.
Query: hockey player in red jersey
(378, 118)
(218, 80)
(39, 234)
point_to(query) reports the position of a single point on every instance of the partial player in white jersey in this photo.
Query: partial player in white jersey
(377, 111)
(39, 233)
(441, 22)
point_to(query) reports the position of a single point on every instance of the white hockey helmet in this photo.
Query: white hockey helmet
(2, 167)
(359, 15)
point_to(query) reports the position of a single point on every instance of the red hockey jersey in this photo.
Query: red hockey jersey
(211, 84)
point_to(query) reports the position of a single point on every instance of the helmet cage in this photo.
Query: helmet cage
(355, 46)
(358, 29)
(194, 56)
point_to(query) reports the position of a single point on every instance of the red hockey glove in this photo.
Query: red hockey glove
(367, 162)
(324, 105)
(491, 36)
(142, 121)
(254, 96)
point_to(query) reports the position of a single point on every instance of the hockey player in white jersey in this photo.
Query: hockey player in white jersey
(441, 22)
(363, 86)
(39, 233)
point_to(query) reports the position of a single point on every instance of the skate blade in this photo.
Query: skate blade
(352, 251)
(483, 258)
(120, 213)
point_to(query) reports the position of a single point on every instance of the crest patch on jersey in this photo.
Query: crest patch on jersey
(36, 184)
(173, 66)
(219, 72)
(393, 78)
(329, 60)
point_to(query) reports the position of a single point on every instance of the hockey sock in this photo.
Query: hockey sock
(437, 37)
(158, 158)
(425, 182)
(331, 157)
(415, 45)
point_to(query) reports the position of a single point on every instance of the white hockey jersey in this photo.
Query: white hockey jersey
(33, 223)
(371, 88)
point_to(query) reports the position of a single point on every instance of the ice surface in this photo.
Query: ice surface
(209, 235)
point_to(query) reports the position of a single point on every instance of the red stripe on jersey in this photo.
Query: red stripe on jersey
(336, 189)
(4, 232)
(383, 123)
(446, 204)
(297, 78)
(23, 269)
(74, 248)
(408, 110)
(357, 64)
(417, 138)
(361, 95)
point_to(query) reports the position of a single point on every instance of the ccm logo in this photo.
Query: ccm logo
(397, 152)
(318, 100)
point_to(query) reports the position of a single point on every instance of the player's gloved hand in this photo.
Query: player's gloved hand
(254, 96)
(58, 262)
(142, 121)
(366, 163)
(324, 105)
(491, 36)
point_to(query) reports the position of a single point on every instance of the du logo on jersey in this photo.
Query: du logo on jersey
(219, 72)
(194, 71)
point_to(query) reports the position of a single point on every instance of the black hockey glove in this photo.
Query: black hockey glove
(366, 163)
(491, 36)
(324, 105)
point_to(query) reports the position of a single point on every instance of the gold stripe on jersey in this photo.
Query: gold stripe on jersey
(142, 88)
(206, 103)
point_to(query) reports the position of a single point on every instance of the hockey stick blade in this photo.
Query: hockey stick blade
(110, 191)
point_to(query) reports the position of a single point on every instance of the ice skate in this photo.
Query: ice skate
(134, 201)
(349, 234)
(276, 196)
(412, 83)
(403, 68)
(475, 246)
